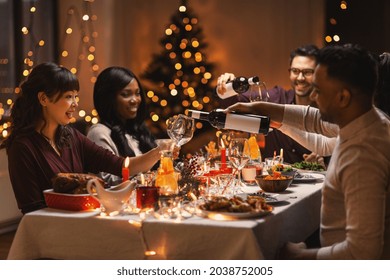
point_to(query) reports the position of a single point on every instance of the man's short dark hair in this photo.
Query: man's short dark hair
(352, 65)
(306, 50)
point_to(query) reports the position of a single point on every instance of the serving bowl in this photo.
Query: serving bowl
(71, 202)
(274, 185)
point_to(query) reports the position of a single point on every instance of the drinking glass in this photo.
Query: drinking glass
(180, 128)
(238, 155)
(260, 93)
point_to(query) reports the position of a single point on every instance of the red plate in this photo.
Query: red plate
(71, 202)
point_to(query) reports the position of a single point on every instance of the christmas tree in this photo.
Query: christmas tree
(179, 78)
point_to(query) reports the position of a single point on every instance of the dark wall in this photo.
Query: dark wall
(364, 22)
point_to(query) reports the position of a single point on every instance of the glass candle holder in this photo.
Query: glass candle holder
(147, 197)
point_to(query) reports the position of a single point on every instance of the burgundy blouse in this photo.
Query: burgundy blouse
(32, 163)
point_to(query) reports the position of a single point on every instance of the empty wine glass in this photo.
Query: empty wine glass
(239, 156)
(259, 93)
(180, 128)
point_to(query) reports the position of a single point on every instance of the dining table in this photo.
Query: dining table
(75, 235)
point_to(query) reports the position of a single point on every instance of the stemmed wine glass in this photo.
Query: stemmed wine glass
(239, 155)
(260, 93)
(180, 128)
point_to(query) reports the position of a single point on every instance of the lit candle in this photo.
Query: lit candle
(126, 170)
(281, 155)
(223, 154)
(142, 179)
(223, 158)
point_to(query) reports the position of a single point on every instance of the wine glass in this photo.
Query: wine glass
(238, 155)
(260, 93)
(180, 128)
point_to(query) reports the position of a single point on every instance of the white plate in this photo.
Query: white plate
(309, 171)
(308, 177)
(272, 198)
(228, 216)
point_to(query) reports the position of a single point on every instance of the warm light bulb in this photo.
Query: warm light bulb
(174, 92)
(91, 57)
(150, 253)
(25, 30)
(188, 27)
(82, 113)
(195, 104)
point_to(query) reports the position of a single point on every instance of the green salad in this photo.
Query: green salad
(308, 166)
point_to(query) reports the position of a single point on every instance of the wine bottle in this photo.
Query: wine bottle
(234, 121)
(238, 85)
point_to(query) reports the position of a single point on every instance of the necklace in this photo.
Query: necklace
(52, 144)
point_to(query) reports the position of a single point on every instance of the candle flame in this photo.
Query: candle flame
(222, 143)
(193, 196)
(127, 162)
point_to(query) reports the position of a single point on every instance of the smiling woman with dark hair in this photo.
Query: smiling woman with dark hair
(120, 102)
(41, 144)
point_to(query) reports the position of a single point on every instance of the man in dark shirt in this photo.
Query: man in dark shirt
(303, 61)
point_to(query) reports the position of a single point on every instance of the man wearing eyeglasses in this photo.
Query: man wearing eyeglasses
(303, 61)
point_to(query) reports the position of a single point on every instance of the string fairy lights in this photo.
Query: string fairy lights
(343, 7)
(139, 226)
(34, 46)
(86, 50)
(75, 21)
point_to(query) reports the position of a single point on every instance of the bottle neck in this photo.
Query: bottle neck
(254, 80)
(199, 115)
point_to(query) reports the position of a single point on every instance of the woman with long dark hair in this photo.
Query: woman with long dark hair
(120, 102)
(41, 144)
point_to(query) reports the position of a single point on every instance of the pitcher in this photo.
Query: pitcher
(114, 199)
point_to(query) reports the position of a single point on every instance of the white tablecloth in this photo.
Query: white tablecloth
(56, 234)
